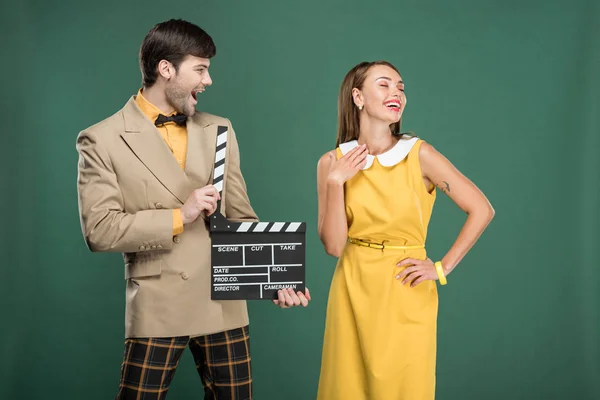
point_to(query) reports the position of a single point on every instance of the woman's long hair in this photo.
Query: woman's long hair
(348, 113)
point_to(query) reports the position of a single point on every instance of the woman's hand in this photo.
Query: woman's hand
(342, 170)
(416, 271)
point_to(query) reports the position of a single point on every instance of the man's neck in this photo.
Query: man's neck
(156, 96)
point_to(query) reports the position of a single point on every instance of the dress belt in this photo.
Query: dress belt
(382, 245)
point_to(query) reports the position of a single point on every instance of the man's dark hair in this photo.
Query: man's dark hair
(172, 40)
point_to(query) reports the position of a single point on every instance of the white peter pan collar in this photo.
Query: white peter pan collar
(391, 157)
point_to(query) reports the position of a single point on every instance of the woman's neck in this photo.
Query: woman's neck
(377, 136)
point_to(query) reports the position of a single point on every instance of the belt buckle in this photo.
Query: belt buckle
(377, 245)
(370, 245)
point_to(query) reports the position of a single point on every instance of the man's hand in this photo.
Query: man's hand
(203, 199)
(288, 298)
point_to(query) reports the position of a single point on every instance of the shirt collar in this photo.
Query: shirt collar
(149, 109)
(391, 157)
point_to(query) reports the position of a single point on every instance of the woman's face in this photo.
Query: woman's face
(382, 95)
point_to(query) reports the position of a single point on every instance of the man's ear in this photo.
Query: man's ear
(166, 69)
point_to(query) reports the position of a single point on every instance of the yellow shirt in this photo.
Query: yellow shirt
(176, 138)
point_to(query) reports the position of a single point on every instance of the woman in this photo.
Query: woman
(376, 193)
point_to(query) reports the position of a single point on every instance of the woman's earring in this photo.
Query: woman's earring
(360, 108)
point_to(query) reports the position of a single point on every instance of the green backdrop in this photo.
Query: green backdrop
(508, 90)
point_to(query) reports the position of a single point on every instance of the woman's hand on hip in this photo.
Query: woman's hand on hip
(416, 271)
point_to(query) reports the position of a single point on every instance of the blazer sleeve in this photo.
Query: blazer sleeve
(104, 223)
(237, 204)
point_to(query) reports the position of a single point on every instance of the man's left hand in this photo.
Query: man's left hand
(287, 298)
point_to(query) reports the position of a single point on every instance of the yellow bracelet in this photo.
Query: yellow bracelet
(440, 272)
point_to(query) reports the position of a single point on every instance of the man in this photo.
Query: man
(143, 186)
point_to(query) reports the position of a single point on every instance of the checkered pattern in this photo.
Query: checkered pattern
(222, 360)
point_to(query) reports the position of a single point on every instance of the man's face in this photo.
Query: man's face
(191, 78)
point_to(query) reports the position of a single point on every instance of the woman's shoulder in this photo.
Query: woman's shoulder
(415, 143)
(326, 159)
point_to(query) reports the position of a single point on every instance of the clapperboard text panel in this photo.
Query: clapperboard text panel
(253, 260)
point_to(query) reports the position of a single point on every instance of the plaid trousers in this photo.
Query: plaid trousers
(222, 361)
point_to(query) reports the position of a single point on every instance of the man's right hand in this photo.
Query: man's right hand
(203, 199)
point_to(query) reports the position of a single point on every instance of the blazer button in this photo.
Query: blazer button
(158, 205)
(142, 248)
(176, 239)
(184, 276)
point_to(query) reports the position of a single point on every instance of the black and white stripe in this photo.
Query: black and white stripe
(222, 225)
(219, 171)
(281, 227)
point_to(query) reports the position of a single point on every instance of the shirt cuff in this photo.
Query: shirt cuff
(177, 222)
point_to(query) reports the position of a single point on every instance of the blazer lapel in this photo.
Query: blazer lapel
(200, 159)
(149, 146)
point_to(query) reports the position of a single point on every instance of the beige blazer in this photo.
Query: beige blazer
(128, 183)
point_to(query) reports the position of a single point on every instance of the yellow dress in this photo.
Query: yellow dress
(380, 335)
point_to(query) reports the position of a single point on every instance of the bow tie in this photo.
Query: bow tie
(179, 119)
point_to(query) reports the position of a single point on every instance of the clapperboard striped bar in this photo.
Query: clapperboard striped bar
(253, 260)
(219, 171)
(264, 227)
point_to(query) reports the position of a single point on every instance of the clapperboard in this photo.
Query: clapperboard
(252, 260)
